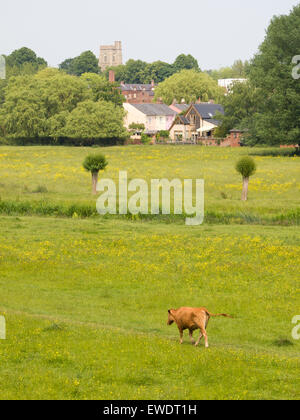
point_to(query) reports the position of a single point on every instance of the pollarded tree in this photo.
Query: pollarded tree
(246, 167)
(95, 163)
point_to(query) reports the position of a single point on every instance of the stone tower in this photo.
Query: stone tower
(110, 55)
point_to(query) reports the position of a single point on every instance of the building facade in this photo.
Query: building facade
(199, 122)
(110, 55)
(155, 117)
(138, 93)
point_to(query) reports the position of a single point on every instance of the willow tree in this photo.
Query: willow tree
(246, 167)
(94, 164)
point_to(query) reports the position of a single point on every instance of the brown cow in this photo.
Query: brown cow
(192, 319)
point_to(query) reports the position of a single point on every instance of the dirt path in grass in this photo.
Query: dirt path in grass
(60, 320)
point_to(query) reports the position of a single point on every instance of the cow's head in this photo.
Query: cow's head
(171, 318)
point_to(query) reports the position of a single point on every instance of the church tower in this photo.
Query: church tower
(110, 55)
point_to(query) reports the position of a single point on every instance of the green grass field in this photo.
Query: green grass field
(86, 300)
(274, 190)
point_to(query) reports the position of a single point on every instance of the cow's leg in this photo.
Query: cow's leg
(201, 324)
(203, 331)
(198, 341)
(191, 337)
(181, 335)
(207, 321)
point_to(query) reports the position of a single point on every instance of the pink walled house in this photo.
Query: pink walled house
(155, 117)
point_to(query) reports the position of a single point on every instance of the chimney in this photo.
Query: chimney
(211, 101)
(199, 101)
(111, 76)
(152, 83)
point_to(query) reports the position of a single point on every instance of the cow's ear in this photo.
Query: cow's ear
(169, 311)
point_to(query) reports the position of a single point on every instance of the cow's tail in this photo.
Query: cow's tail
(215, 315)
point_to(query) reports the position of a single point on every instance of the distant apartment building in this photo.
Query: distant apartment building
(110, 55)
(155, 117)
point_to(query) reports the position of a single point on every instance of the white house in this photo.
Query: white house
(155, 117)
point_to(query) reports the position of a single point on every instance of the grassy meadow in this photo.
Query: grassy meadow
(54, 176)
(86, 300)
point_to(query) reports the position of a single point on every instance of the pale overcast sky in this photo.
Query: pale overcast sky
(216, 32)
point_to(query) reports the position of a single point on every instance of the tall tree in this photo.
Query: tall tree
(240, 105)
(95, 120)
(84, 63)
(278, 121)
(189, 85)
(23, 61)
(186, 62)
(42, 106)
(158, 71)
(135, 71)
(22, 56)
(102, 89)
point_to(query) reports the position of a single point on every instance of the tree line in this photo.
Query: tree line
(77, 101)
(53, 104)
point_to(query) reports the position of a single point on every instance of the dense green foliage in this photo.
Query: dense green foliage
(95, 162)
(84, 63)
(137, 71)
(23, 61)
(137, 127)
(269, 106)
(239, 106)
(271, 74)
(54, 104)
(246, 167)
(238, 70)
(189, 85)
(22, 56)
(185, 62)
